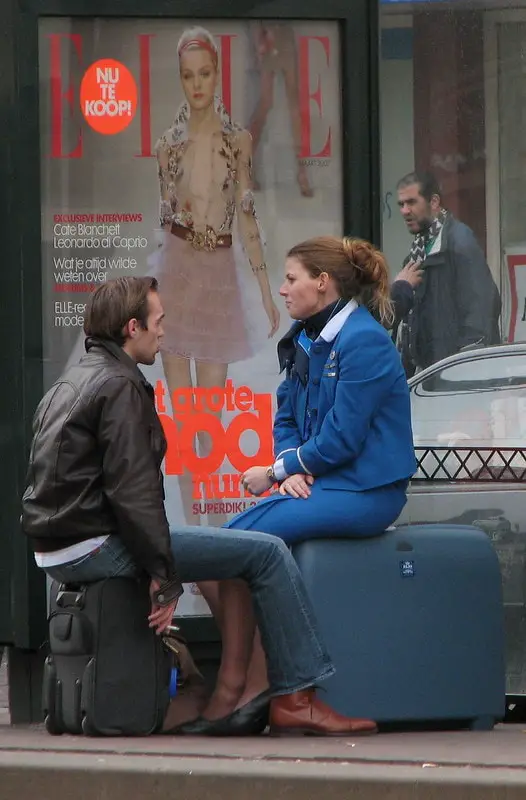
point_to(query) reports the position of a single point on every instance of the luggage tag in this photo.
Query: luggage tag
(175, 679)
(184, 668)
(171, 643)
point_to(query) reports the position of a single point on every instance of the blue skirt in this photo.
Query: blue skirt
(327, 513)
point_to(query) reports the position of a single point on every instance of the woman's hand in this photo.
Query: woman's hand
(297, 486)
(256, 480)
(272, 313)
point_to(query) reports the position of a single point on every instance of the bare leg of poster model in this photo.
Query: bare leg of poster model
(261, 112)
(290, 77)
(177, 371)
(178, 375)
(237, 627)
(210, 376)
(289, 70)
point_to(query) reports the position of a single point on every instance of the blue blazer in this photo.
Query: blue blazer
(350, 426)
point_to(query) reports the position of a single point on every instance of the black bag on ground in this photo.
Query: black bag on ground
(108, 673)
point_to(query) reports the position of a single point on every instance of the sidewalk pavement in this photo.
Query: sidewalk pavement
(465, 765)
(504, 747)
(462, 765)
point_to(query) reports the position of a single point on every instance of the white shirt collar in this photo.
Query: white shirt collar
(336, 323)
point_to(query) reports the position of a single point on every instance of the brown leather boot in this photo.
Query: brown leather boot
(303, 714)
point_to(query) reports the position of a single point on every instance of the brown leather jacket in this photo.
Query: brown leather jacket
(95, 464)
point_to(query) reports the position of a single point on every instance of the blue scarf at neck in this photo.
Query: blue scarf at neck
(312, 327)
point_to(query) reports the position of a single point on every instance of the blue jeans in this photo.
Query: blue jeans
(296, 655)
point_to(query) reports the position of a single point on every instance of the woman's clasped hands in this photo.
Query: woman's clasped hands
(257, 480)
(297, 485)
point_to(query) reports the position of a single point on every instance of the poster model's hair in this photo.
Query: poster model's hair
(196, 38)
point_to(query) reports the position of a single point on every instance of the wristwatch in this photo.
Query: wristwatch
(270, 474)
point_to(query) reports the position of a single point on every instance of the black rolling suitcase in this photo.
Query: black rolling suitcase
(107, 673)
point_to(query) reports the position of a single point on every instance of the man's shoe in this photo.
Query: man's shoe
(303, 714)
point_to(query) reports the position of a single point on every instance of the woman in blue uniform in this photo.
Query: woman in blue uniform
(342, 433)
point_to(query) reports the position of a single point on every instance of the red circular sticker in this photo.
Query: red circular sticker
(108, 96)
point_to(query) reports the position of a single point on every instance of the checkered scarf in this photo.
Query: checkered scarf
(417, 253)
(421, 240)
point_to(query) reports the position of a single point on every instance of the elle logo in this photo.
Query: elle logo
(64, 91)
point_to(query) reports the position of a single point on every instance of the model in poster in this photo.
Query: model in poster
(211, 236)
(277, 53)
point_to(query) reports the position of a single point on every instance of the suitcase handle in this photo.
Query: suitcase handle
(70, 597)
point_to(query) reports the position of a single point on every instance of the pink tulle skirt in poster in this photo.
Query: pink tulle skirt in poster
(202, 300)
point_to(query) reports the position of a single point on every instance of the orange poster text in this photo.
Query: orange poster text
(196, 418)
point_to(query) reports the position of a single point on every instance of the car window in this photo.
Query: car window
(496, 372)
(478, 403)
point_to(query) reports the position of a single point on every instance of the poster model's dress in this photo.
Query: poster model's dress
(211, 241)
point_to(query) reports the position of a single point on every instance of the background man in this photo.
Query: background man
(449, 300)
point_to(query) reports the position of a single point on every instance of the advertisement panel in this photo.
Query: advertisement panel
(198, 152)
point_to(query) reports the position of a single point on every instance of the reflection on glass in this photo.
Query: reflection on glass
(453, 103)
(445, 298)
(275, 45)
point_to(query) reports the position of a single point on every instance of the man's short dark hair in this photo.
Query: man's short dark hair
(427, 183)
(114, 303)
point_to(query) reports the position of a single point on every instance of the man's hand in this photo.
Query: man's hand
(412, 273)
(160, 616)
(256, 480)
(297, 486)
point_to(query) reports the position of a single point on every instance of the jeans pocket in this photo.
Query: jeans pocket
(57, 574)
(79, 561)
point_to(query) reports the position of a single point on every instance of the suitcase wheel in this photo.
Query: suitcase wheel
(87, 728)
(52, 727)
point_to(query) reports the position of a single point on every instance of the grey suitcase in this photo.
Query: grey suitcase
(414, 622)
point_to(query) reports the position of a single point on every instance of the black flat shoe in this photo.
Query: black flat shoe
(249, 720)
(199, 727)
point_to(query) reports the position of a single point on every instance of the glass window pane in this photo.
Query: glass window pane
(442, 82)
(453, 104)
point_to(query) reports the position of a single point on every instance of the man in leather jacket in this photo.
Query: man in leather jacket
(93, 509)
